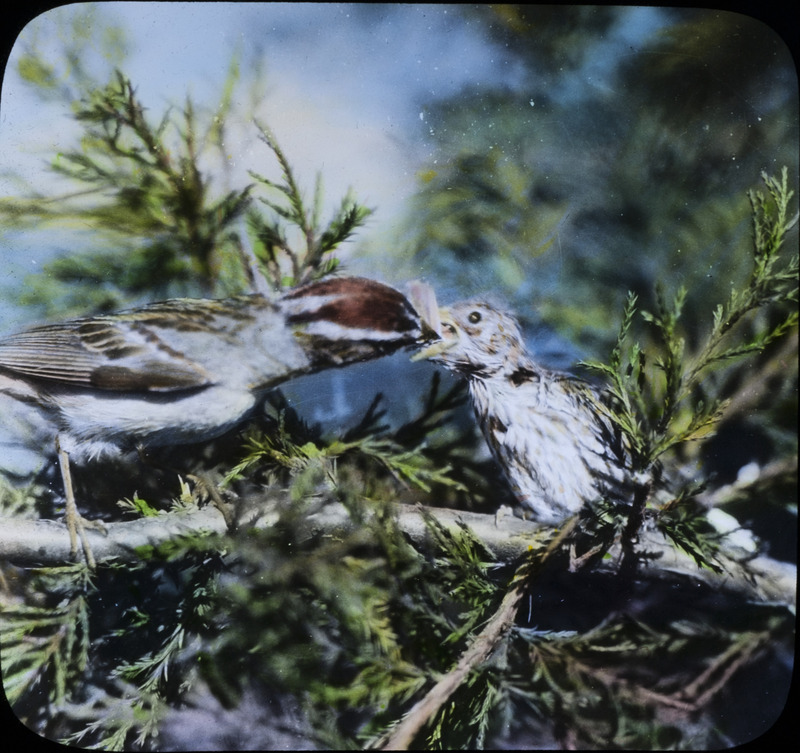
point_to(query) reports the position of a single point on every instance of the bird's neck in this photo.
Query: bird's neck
(513, 371)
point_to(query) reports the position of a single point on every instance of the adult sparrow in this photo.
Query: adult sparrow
(187, 370)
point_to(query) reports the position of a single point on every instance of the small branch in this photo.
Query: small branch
(46, 542)
(630, 534)
(32, 543)
(576, 562)
(476, 653)
(750, 394)
(783, 470)
(716, 676)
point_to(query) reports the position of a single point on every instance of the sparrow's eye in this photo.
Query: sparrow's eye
(474, 317)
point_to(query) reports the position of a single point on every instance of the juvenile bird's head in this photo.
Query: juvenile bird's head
(476, 339)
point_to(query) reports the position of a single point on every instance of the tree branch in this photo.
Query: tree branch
(32, 543)
(476, 653)
(749, 396)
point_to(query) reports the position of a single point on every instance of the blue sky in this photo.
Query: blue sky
(343, 92)
(345, 88)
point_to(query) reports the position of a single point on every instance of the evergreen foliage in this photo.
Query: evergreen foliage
(141, 186)
(661, 406)
(362, 627)
(275, 252)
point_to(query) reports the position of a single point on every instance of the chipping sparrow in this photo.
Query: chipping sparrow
(186, 370)
(549, 431)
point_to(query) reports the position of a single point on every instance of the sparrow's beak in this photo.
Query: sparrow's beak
(441, 345)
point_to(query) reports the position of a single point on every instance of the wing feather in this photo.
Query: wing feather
(102, 353)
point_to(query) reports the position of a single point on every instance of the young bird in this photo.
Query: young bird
(549, 431)
(187, 370)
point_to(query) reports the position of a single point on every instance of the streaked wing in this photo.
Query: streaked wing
(123, 352)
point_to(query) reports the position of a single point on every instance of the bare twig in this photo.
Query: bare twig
(715, 677)
(630, 534)
(760, 383)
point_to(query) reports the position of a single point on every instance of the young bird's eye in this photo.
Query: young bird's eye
(474, 317)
